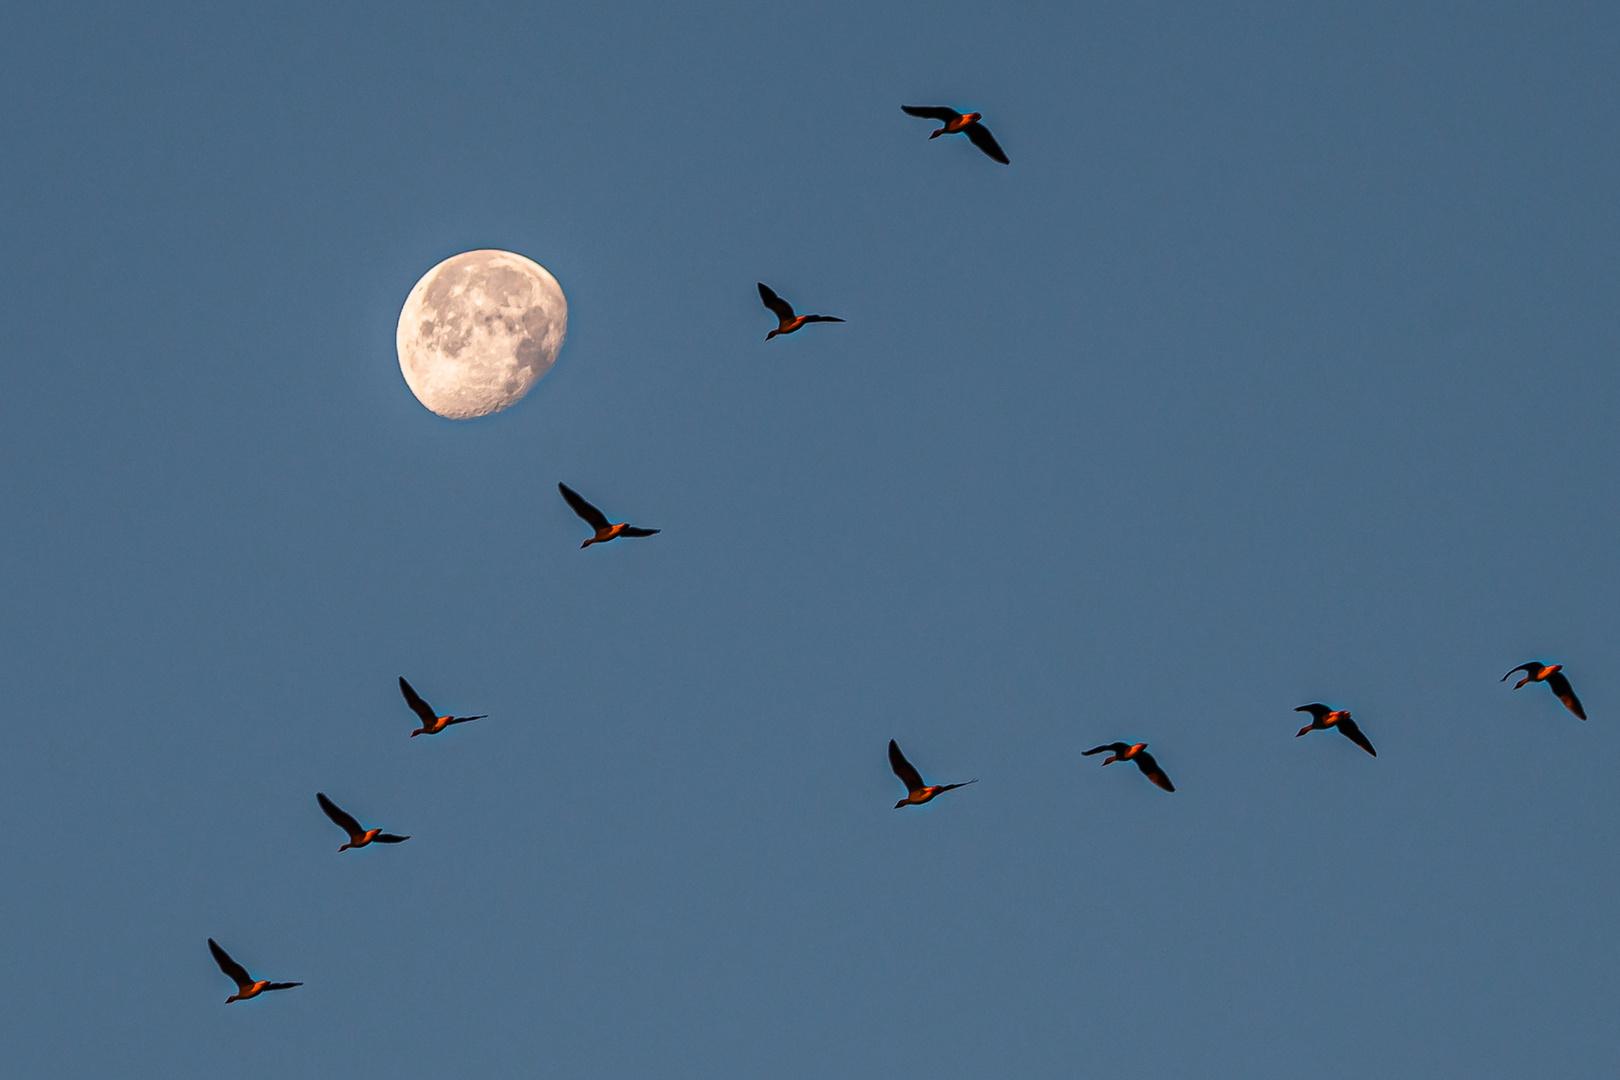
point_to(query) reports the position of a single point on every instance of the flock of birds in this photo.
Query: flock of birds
(1323, 718)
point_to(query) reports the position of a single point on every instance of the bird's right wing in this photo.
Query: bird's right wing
(281, 986)
(390, 838)
(1534, 665)
(592, 516)
(1316, 709)
(1116, 747)
(822, 318)
(637, 530)
(1349, 729)
(339, 816)
(421, 708)
(904, 769)
(981, 137)
(465, 719)
(1565, 693)
(1150, 769)
(931, 112)
(779, 307)
(233, 971)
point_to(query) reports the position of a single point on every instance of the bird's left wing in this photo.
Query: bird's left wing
(1566, 693)
(931, 112)
(591, 515)
(1348, 728)
(234, 971)
(822, 318)
(282, 986)
(636, 530)
(422, 709)
(981, 137)
(1150, 769)
(340, 817)
(390, 838)
(905, 770)
(779, 307)
(464, 719)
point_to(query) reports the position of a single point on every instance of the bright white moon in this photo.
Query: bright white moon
(478, 331)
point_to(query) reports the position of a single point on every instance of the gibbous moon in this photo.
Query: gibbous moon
(478, 331)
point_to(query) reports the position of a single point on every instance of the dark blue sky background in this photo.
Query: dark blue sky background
(1280, 366)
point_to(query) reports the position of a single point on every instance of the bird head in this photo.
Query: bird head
(972, 118)
(419, 731)
(1546, 671)
(1302, 731)
(1521, 682)
(1132, 752)
(901, 803)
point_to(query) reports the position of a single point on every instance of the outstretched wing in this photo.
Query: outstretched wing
(389, 838)
(1347, 727)
(1316, 709)
(1532, 666)
(822, 318)
(779, 307)
(421, 708)
(904, 769)
(931, 112)
(1566, 693)
(464, 719)
(281, 986)
(1113, 747)
(339, 817)
(981, 137)
(593, 517)
(233, 971)
(636, 530)
(1150, 769)
(943, 788)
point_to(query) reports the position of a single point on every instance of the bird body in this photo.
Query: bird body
(1323, 718)
(917, 792)
(960, 124)
(432, 723)
(1557, 682)
(604, 529)
(246, 985)
(1133, 752)
(358, 837)
(786, 321)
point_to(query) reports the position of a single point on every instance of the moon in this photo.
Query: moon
(478, 331)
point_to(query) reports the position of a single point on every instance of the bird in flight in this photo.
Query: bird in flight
(917, 792)
(432, 723)
(597, 520)
(960, 123)
(358, 837)
(246, 985)
(1553, 676)
(1119, 751)
(1323, 718)
(786, 321)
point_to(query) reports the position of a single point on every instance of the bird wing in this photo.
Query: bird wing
(464, 719)
(1534, 665)
(1150, 769)
(1566, 693)
(822, 318)
(1347, 727)
(281, 986)
(592, 516)
(233, 971)
(981, 137)
(931, 112)
(421, 708)
(1316, 709)
(952, 787)
(339, 817)
(905, 770)
(1115, 747)
(389, 838)
(636, 530)
(779, 307)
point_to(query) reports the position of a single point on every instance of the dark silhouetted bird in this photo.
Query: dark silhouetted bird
(917, 792)
(1138, 753)
(358, 837)
(1553, 676)
(786, 321)
(1323, 718)
(432, 723)
(246, 986)
(960, 123)
(597, 520)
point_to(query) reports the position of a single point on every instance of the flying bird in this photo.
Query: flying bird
(786, 321)
(1323, 718)
(1119, 751)
(432, 723)
(1553, 676)
(246, 985)
(358, 837)
(960, 123)
(597, 520)
(917, 792)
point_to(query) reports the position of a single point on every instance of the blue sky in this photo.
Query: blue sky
(1280, 366)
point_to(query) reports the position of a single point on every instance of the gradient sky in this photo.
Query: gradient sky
(1279, 366)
